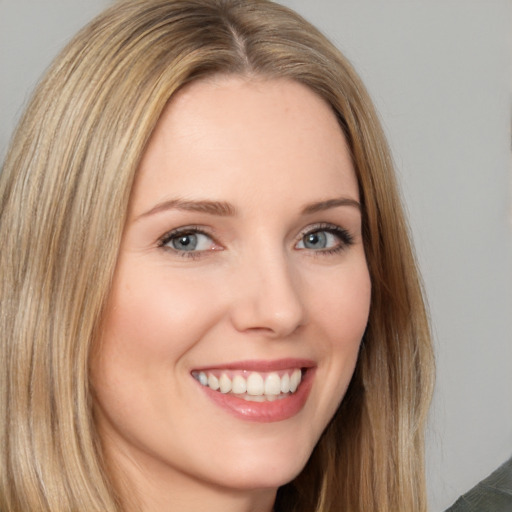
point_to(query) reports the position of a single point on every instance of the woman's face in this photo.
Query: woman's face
(241, 272)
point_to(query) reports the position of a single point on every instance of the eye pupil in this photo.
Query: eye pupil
(185, 242)
(315, 240)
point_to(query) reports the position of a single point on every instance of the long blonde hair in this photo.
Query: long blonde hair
(64, 192)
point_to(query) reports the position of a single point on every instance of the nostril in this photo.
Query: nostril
(259, 330)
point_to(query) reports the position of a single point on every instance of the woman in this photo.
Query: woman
(209, 298)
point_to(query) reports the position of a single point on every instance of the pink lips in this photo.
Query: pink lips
(267, 411)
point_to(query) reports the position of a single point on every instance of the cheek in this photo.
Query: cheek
(342, 307)
(150, 324)
(341, 316)
(151, 316)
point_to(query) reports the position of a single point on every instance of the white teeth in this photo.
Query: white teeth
(239, 385)
(256, 387)
(295, 380)
(224, 383)
(255, 384)
(261, 398)
(213, 382)
(272, 384)
(285, 383)
(250, 398)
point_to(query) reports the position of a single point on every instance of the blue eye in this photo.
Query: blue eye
(188, 241)
(327, 239)
(319, 240)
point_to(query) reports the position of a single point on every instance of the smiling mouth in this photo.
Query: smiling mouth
(251, 385)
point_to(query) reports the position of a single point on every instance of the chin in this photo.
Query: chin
(267, 470)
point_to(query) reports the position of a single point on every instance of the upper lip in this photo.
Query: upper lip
(260, 365)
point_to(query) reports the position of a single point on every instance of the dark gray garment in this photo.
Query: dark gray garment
(494, 494)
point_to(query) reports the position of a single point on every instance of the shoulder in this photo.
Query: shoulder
(493, 494)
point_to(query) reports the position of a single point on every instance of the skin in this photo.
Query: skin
(253, 291)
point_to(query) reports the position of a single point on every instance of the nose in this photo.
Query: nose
(268, 299)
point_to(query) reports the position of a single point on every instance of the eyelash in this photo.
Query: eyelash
(176, 233)
(344, 237)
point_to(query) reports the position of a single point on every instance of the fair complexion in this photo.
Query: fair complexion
(242, 256)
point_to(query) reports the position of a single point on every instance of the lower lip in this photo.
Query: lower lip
(264, 412)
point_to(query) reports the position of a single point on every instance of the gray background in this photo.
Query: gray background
(440, 73)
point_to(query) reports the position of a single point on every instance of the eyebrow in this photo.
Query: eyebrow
(330, 203)
(219, 208)
(224, 209)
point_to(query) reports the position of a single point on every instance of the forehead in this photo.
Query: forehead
(232, 133)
